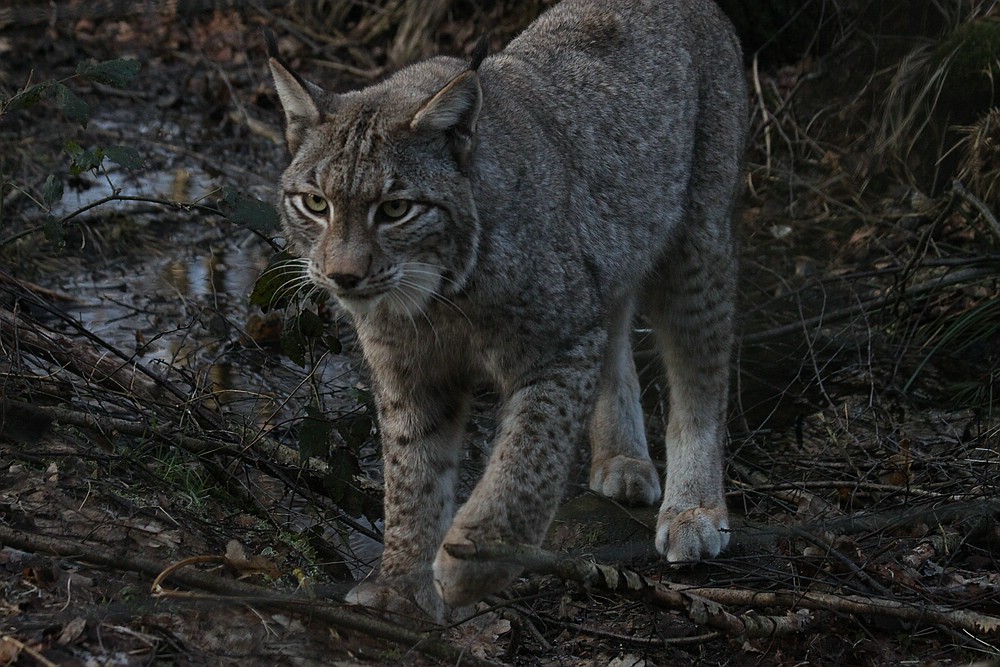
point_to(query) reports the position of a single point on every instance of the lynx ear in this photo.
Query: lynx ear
(453, 110)
(297, 97)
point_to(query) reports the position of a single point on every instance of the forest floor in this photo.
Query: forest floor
(158, 502)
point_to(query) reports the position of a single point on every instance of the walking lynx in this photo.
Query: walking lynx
(503, 222)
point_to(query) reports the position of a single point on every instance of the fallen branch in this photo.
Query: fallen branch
(101, 364)
(205, 450)
(704, 605)
(958, 619)
(264, 445)
(237, 592)
(699, 609)
(19, 333)
(269, 454)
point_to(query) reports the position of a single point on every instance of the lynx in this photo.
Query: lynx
(503, 222)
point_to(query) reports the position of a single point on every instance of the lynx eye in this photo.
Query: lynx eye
(314, 203)
(394, 209)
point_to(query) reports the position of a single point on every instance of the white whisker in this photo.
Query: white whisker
(293, 276)
(409, 293)
(287, 290)
(397, 299)
(428, 268)
(424, 269)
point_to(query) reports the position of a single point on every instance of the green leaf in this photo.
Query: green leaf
(338, 481)
(248, 211)
(118, 73)
(314, 434)
(272, 289)
(72, 106)
(333, 344)
(81, 159)
(355, 430)
(310, 324)
(361, 396)
(52, 191)
(25, 98)
(293, 344)
(53, 230)
(73, 149)
(126, 156)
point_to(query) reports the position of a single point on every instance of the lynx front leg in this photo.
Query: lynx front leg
(421, 432)
(620, 464)
(693, 321)
(518, 495)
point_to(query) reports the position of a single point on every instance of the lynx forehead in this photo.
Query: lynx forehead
(502, 221)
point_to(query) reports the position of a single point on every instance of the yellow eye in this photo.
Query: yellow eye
(394, 209)
(314, 203)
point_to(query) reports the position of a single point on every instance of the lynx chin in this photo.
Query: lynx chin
(504, 221)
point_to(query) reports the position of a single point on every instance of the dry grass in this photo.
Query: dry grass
(980, 159)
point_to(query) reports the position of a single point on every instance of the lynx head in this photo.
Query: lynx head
(377, 198)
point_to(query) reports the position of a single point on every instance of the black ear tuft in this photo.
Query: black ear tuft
(271, 43)
(480, 52)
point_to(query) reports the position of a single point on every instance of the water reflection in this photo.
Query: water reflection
(181, 299)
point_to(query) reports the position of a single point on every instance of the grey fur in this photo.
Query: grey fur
(586, 171)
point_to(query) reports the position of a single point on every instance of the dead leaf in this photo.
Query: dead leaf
(481, 635)
(569, 608)
(72, 631)
(897, 467)
(236, 558)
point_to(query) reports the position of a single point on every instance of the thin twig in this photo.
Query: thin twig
(21, 646)
(876, 303)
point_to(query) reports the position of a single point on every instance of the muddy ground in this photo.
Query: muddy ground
(155, 422)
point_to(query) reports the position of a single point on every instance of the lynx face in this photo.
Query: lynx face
(376, 202)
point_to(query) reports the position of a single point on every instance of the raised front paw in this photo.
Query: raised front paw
(692, 534)
(410, 600)
(626, 479)
(464, 581)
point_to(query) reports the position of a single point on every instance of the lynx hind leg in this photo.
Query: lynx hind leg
(620, 464)
(690, 306)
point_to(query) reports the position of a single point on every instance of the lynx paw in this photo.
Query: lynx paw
(692, 534)
(629, 480)
(463, 581)
(410, 601)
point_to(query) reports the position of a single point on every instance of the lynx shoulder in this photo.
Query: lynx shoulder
(503, 222)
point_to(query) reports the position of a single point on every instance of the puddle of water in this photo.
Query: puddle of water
(184, 303)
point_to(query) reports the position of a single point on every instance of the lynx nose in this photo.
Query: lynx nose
(345, 280)
(347, 267)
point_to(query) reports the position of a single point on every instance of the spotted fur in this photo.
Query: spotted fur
(503, 223)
